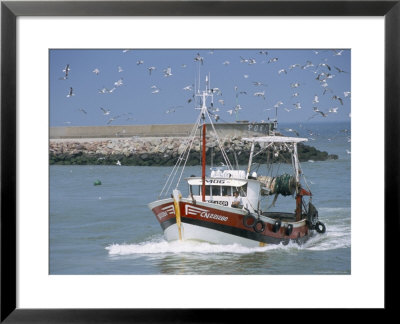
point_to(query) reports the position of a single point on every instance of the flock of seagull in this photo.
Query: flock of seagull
(322, 73)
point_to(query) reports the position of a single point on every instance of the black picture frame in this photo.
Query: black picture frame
(10, 10)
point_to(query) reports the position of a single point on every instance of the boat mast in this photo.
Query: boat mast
(250, 159)
(203, 108)
(203, 166)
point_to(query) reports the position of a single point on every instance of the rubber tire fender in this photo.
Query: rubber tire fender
(320, 227)
(246, 218)
(277, 225)
(259, 221)
(289, 229)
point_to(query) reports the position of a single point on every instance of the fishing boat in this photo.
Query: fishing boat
(230, 205)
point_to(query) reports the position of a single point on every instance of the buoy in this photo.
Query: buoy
(258, 229)
(246, 220)
(97, 183)
(277, 225)
(320, 227)
(289, 229)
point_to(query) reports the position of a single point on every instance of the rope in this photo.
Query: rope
(177, 164)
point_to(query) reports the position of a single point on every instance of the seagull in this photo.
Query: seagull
(296, 94)
(118, 83)
(273, 60)
(105, 112)
(189, 87)
(347, 93)
(173, 109)
(257, 83)
(96, 71)
(263, 52)
(151, 68)
(348, 152)
(292, 130)
(282, 71)
(297, 105)
(307, 65)
(118, 163)
(316, 100)
(243, 60)
(326, 65)
(198, 58)
(337, 52)
(120, 69)
(322, 113)
(293, 66)
(83, 110)
(260, 94)
(139, 62)
(237, 108)
(340, 70)
(111, 120)
(66, 71)
(104, 90)
(252, 61)
(279, 103)
(155, 91)
(125, 51)
(167, 72)
(71, 92)
(226, 63)
(288, 110)
(333, 110)
(295, 85)
(337, 98)
(230, 111)
(318, 112)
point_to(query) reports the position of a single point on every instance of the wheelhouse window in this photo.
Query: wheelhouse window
(242, 190)
(226, 191)
(216, 190)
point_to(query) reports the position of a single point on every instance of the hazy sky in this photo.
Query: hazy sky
(125, 87)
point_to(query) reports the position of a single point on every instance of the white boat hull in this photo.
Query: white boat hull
(217, 224)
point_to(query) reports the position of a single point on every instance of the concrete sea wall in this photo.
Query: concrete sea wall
(166, 130)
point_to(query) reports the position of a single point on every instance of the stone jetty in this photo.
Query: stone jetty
(162, 151)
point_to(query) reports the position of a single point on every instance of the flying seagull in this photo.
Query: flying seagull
(66, 71)
(105, 112)
(71, 92)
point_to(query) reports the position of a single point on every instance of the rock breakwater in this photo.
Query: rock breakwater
(159, 151)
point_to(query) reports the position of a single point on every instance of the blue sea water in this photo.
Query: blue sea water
(108, 229)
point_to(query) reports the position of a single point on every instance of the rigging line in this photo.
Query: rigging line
(228, 163)
(262, 150)
(175, 167)
(187, 156)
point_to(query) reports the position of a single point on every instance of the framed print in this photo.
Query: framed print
(70, 250)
